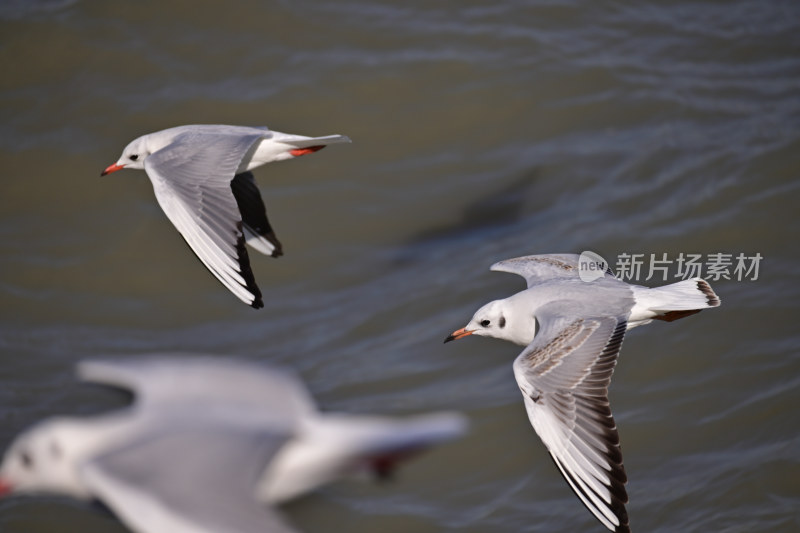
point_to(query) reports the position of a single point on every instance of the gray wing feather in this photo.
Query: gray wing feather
(564, 376)
(192, 182)
(197, 382)
(538, 268)
(189, 481)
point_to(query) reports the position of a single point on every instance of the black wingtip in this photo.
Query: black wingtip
(616, 506)
(247, 272)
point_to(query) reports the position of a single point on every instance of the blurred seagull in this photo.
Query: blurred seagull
(206, 443)
(573, 330)
(202, 180)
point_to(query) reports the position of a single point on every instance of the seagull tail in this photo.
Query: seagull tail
(677, 300)
(338, 445)
(399, 440)
(386, 443)
(301, 141)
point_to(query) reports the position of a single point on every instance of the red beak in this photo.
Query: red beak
(297, 152)
(112, 168)
(5, 487)
(459, 333)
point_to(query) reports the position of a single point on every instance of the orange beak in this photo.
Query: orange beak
(112, 168)
(459, 333)
(5, 487)
(297, 152)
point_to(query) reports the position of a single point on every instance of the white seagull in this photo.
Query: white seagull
(202, 180)
(208, 445)
(573, 331)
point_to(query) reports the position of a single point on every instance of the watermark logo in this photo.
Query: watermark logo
(591, 266)
(661, 267)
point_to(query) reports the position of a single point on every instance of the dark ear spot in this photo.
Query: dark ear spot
(26, 459)
(502, 322)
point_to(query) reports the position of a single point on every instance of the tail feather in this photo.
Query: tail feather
(378, 435)
(672, 302)
(404, 439)
(336, 446)
(705, 288)
(301, 141)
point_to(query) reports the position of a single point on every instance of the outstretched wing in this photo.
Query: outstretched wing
(192, 182)
(538, 268)
(257, 229)
(197, 383)
(189, 481)
(564, 376)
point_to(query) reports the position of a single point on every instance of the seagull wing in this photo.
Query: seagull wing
(197, 383)
(257, 229)
(189, 481)
(564, 376)
(192, 181)
(538, 268)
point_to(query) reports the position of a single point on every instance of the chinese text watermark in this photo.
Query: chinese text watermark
(661, 267)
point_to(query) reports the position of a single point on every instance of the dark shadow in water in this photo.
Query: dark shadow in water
(491, 211)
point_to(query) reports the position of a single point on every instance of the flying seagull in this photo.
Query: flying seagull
(210, 444)
(572, 331)
(202, 180)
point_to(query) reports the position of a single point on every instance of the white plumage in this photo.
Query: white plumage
(572, 331)
(202, 181)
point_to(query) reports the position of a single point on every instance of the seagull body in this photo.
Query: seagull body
(208, 446)
(202, 181)
(572, 331)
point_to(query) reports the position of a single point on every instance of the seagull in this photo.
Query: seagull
(209, 445)
(572, 331)
(202, 180)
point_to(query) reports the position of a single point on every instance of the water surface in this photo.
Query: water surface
(482, 131)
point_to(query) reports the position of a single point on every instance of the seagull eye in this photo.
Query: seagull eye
(27, 460)
(485, 323)
(133, 157)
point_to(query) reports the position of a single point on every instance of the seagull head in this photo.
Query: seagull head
(40, 460)
(488, 321)
(133, 156)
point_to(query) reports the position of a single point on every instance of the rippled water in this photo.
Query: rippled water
(482, 131)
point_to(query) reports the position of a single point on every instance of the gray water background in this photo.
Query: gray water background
(481, 131)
